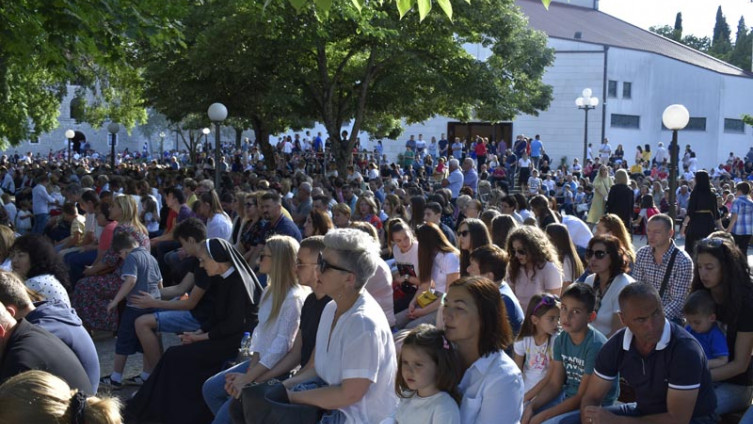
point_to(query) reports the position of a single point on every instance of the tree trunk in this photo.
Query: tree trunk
(262, 140)
(238, 137)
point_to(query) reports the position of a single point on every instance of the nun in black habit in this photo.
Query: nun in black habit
(172, 394)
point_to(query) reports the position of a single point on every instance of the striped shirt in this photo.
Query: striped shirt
(646, 270)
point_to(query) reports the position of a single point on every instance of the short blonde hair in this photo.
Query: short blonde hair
(40, 397)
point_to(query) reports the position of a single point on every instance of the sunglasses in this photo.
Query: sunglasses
(711, 242)
(600, 254)
(463, 233)
(324, 265)
(547, 300)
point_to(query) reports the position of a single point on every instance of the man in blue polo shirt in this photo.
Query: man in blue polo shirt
(660, 360)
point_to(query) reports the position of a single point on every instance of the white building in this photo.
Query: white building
(635, 74)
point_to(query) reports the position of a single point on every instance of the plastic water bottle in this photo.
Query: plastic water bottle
(244, 352)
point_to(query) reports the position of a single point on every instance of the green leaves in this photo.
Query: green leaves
(546, 3)
(424, 7)
(403, 6)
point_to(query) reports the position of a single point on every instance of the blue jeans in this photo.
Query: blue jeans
(732, 398)
(176, 321)
(329, 417)
(631, 410)
(215, 396)
(40, 222)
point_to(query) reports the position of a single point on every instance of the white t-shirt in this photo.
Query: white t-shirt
(379, 287)
(609, 303)
(360, 346)
(537, 359)
(524, 163)
(409, 257)
(445, 263)
(219, 226)
(579, 231)
(529, 283)
(440, 408)
(492, 391)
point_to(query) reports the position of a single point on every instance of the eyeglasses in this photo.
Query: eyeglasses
(520, 252)
(463, 233)
(324, 265)
(600, 254)
(548, 300)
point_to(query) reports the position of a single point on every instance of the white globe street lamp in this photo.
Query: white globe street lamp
(675, 118)
(69, 134)
(217, 113)
(586, 102)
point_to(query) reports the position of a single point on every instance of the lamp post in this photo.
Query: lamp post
(113, 128)
(586, 103)
(675, 118)
(217, 113)
(206, 132)
(69, 134)
(161, 145)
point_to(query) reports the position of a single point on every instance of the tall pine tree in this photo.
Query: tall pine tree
(740, 55)
(720, 43)
(677, 33)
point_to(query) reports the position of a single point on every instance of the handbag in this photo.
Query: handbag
(426, 298)
(268, 403)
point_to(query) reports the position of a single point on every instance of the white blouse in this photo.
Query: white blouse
(360, 346)
(444, 263)
(49, 287)
(492, 391)
(609, 304)
(273, 340)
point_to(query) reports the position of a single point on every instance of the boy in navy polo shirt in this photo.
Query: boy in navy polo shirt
(140, 273)
(699, 311)
(660, 360)
(575, 352)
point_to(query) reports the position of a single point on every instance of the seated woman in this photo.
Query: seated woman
(721, 269)
(353, 374)
(279, 318)
(172, 394)
(438, 268)
(34, 259)
(609, 263)
(475, 321)
(94, 292)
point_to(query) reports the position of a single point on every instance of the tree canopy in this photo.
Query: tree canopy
(46, 44)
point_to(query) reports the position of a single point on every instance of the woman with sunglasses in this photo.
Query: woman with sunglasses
(354, 365)
(609, 264)
(279, 318)
(438, 267)
(172, 393)
(534, 266)
(475, 321)
(472, 233)
(722, 270)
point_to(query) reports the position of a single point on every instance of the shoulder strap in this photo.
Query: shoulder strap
(667, 272)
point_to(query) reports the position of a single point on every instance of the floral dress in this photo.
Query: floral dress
(92, 294)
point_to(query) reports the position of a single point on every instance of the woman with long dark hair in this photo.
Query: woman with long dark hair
(35, 261)
(702, 217)
(317, 223)
(472, 233)
(722, 270)
(544, 215)
(572, 267)
(502, 226)
(438, 268)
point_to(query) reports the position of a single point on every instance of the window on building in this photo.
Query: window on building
(696, 124)
(734, 126)
(625, 121)
(612, 88)
(627, 90)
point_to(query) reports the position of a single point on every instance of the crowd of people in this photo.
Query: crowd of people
(493, 289)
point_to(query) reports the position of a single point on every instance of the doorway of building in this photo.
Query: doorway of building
(466, 130)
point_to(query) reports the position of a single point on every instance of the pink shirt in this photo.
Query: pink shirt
(531, 283)
(106, 238)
